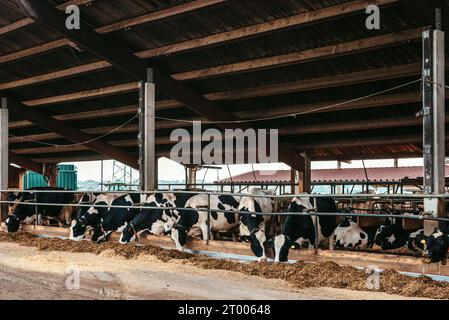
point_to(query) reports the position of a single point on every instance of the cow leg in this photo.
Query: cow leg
(331, 241)
(203, 228)
(175, 237)
(235, 237)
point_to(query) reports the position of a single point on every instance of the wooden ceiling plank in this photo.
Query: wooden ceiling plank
(73, 134)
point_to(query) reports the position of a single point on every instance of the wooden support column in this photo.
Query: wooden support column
(305, 179)
(4, 155)
(433, 123)
(292, 181)
(147, 134)
(51, 174)
(191, 171)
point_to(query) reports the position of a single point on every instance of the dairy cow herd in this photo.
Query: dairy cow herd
(179, 215)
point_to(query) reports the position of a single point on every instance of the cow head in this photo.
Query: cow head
(157, 218)
(437, 246)
(12, 223)
(281, 245)
(417, 240)
(79, 226)
(20, 211)
(91, 218)
(252, 224)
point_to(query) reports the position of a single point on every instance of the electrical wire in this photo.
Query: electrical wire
(80, 143)
(296, 113)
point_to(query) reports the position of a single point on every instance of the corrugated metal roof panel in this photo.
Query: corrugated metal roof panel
(333, 175)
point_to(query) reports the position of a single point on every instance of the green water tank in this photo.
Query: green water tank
(67, 178)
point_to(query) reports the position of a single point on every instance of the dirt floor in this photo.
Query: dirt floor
(29, 273)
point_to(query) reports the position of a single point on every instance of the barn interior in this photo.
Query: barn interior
(334, 89)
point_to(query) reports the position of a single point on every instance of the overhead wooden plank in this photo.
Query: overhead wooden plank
(22, 23)
(331, 51)
(52, 135)
(282, 88)
(82, 95)
(300, 57)
(153, 17)
(34, 51)
(97, 131)
(360, 142)
(331, 106)
(339, 80)
(41, 119)
(160, 15)
(220, 38)
(62, 74)
(85, 115)
(120, 57)
(70, 148)
(25, 163)
(264, 28)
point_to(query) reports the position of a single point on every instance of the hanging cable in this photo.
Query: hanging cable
(296, 113)
(80, 143)
(229, 171)
(254, 173)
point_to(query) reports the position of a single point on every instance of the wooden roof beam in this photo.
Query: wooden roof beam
(26, 22)
(120, 57)
(379, 101)
(247, 66)
(265, 28)
(25, 163)
(41, 119)
(153, 17)
(327, 52)
(281, 88)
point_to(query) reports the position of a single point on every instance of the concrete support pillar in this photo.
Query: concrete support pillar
(147, 134)
(433, 123)
(4, 151)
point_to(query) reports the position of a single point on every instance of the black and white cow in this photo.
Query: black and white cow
(24, 209)
(349, 235)
(300, 230)
(198, 218)
(416, 241)
(437, 246)
(156, 221)
(252, 225)
(393, 236)
(104, 218)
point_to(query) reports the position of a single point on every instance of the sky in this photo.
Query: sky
(171, 171)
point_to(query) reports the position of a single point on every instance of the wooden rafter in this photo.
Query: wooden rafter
(22, 23)
(216, 39)
(20, 110)
(120, 57)
(298, 57)
(247, 93)
(25, 162)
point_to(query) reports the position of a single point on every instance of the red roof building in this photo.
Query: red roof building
(333, 176)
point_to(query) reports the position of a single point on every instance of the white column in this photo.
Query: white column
(4, 150)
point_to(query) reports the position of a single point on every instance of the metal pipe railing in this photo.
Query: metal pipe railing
(348, 196)
(345, 214)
